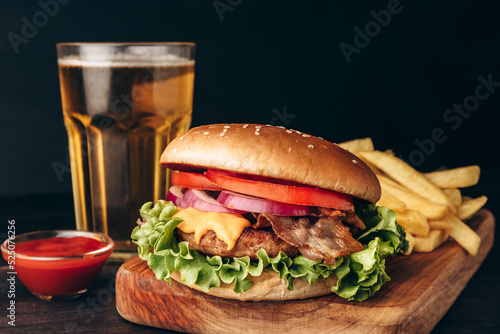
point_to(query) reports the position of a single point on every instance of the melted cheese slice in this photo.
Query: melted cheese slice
(227, 226)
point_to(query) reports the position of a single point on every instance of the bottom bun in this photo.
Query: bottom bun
(269, 286)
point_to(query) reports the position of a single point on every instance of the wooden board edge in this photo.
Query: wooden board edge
(453, 281)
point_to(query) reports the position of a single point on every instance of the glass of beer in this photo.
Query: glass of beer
(122, 104)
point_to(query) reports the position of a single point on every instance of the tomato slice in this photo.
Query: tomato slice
(281, 192)
(193, 181)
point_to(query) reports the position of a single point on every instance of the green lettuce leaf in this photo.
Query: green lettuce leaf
(381, 221)
(360, 274)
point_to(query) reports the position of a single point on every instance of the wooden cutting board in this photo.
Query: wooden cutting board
(423, 287)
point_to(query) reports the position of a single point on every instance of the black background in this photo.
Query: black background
(277, 62)
(254, 57)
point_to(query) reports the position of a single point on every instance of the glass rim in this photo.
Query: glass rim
(45, 234)
(125, 44)
(108, 53)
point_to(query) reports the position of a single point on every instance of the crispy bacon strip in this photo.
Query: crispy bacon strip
(345, 216)
(327, 239)
(262, 222)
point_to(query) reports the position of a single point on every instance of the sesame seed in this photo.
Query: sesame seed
(298, 132)
(258, 129)
(245, 126)
(268, 125)
(289, 131)
(289, 150)
(206, 133)
(310, 146)
(226, 126)
(320, 137)
(305, 135)
(222, 134)
(257, 133)
(180, 138)
(281, 127)
(354, 161)
(224, 130)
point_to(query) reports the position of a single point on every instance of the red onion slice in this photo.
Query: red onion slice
(261, 205)
(175, 195)
(199, 200)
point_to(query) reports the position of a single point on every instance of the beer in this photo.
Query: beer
(119, 116)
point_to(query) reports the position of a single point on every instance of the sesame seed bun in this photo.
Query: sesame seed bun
(275, 152)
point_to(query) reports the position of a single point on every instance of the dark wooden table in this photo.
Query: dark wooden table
(477, 309)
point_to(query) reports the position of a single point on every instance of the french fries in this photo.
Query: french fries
(429, 243)
(411, 243)
(470, 207)
(439, 225)
(463, 234)
(455, 178)
(414, 222)
(413, 201)
(430, 206)
(386, 199)
(454, 195)
(407, 176)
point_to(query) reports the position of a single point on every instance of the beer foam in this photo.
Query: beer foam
(124, 60)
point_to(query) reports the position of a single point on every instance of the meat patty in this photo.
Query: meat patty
(319, 236)
(249, 243)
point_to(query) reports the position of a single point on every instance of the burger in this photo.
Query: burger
(258, 212)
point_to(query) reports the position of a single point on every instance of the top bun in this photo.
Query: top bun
(275, 152)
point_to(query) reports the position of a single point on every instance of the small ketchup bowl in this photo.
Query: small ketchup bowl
(57, 264)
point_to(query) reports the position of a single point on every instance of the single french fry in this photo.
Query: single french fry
(430, 242)
(407, 176)
(368, 163)
(414, 222)
(455, 196)
(390, 182)
(413, 201)
(362, 144)
(455, 178)
(386, 199)
(463, 234)
(411, 243)
(390, 152)
(470, 207)
(466, 198)
(439, 225)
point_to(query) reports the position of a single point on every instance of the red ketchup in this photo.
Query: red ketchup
(57, 267)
